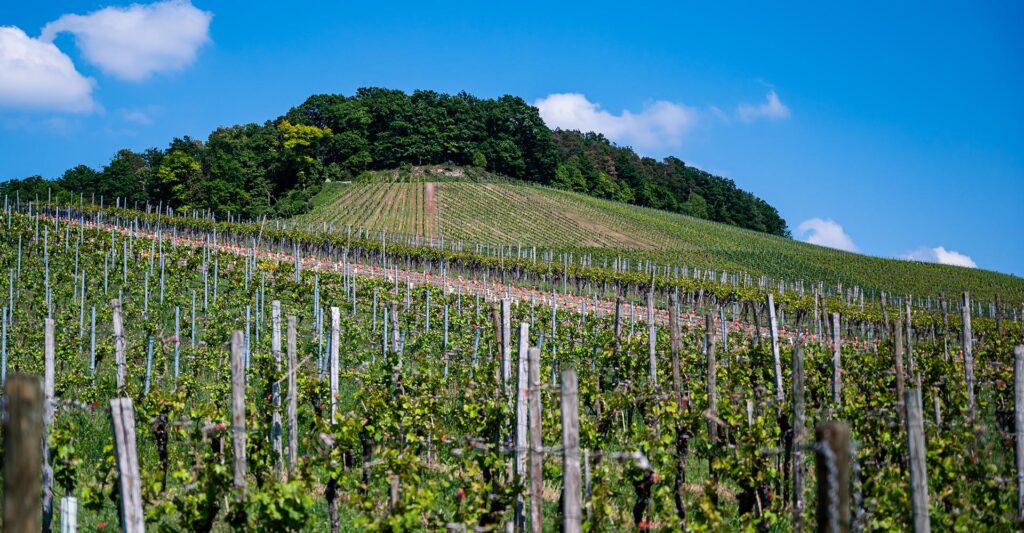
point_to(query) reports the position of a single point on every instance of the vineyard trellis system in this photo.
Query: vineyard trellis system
(400, 402)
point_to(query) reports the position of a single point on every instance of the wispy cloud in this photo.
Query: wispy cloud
(137, 41)
(941, 255)
(35, 74)
(136, 116)
(659, 125)
(825, 232)
(772, 108)
(57, 125)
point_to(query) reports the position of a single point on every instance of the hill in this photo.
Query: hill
(477, 207)
(275, 167)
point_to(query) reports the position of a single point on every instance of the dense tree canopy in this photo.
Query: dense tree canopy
(275, 168)
(588, 162)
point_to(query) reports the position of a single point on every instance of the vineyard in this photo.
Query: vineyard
(192, 375)
(476, 208)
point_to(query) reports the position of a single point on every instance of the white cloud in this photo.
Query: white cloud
(35, 74)
(826, 233)
(660, 124)
(941, 255)
(772, 108)
(137, 41)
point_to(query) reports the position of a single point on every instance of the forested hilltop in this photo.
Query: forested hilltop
(276, 167)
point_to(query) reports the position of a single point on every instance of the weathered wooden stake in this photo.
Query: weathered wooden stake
(776, 358)
(522, 400)
(68, 514)
(675, 345)
(394, 493)
(238, 407)
(652, 336)
(122, 415)
(571, 495)
(897, 346)
(798, 437)
(334, 363)
(967, 345)
(506, 344)
(394, 330)
(49, 406)
(23, 454)
(837, 362)
(293, 405)
(275, 348)
(712, 386)
(833, 476)
(944, 307)
(120, 344)
(918, 468)
(909, 324)
(1018, 424)
(586, 483)
(536, 446)
(177, 342)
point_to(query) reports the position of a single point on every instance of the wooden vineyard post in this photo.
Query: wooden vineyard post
(536, 446)
(506, 344)
(776, 358)
(652, 338)
(571, 496)
(394, 493)
(68, 514)
(522, 401)
(833, 477)
(918, 468)
(910, 339)
(837, 362)
(293, 404)
(394, 329)
(885, 313)
(586, 483)
(712, 386)
(48, 410)
(122, 415)
(897, 346)
(966, 344)
(275, 348)
(23, 454)
(334, 364)
(238, 408)
(120, 344)
(798, 437)
(999, 314)
(496, 319)
(824, 320)
(724, 325)
(618, 322)
(816, 327)
(944, 307)
(1018, 424)
(675, 345)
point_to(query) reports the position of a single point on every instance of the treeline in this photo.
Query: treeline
(276, 167)
(588, 162)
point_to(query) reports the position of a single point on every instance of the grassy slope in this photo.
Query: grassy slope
(496, 212)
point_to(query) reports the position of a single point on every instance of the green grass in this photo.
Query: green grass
(496, 211)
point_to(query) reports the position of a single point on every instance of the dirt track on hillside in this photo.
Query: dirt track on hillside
(490, 291)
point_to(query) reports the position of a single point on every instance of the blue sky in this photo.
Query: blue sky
(891, 128)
